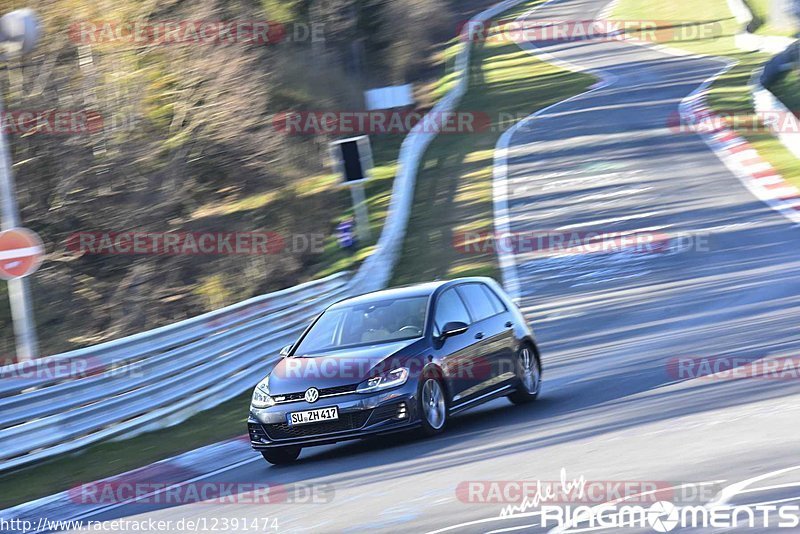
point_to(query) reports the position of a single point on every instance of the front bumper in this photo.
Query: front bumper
(360, 416)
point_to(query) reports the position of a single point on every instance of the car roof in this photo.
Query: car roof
(417, 290)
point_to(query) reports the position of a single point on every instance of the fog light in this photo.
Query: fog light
(401, 411)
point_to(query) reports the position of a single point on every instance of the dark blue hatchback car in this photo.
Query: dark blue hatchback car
(393, 360)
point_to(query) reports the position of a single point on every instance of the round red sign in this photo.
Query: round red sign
(21, 253)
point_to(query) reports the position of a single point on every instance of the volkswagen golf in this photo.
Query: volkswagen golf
(394, 360)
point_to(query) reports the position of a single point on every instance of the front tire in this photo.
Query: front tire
(281, 455)
(529, 376)
(432, 406)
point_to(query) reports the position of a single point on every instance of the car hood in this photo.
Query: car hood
(333, 369)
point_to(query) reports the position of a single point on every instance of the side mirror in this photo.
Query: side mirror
(454, 328)
(285, 351)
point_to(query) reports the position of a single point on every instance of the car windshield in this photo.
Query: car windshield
(369, 323)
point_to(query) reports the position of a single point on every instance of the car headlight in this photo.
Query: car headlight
(390, 379)
(261, 398)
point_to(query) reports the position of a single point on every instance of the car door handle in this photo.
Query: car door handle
(479, 335)
(509, 324)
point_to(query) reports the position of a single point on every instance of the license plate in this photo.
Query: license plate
(313, 416)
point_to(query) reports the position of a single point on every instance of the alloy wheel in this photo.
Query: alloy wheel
(531, 375)
(433, 404)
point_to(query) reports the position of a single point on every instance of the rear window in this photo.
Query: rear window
(478, 302)
(499, 307)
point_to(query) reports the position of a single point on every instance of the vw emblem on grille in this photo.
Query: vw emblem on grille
(312, 395)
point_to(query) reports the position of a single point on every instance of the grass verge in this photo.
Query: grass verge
(730, 94)
(454, 187)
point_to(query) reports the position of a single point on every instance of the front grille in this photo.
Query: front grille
(326, 392)
(346, 421)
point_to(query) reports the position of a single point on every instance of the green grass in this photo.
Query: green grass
(730, 94)
(329, 202)
(454, 188)
(378, 192)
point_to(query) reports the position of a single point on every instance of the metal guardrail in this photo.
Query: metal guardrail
(152, 379)
(785, 60)
(161, 377)
(780, 119)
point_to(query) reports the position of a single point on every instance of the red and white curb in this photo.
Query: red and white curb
(167, 475)
(756, 173)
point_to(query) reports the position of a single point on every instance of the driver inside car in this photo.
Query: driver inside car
(375, 323)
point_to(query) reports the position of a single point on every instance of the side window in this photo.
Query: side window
(498, 305)
(450, 308)
(480, 307)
